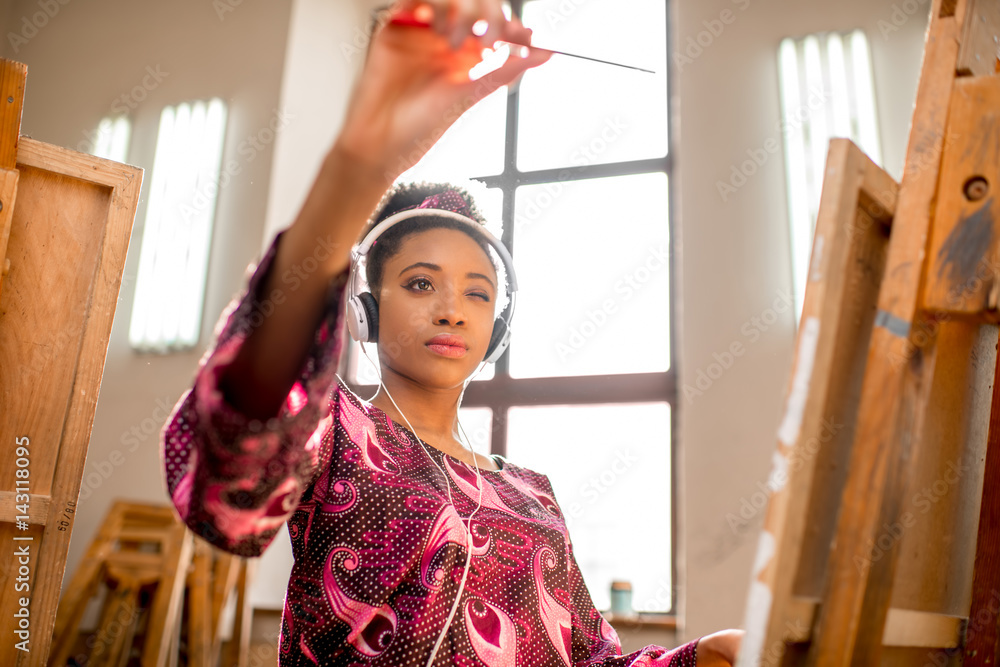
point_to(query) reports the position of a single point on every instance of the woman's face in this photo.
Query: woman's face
(436, 308)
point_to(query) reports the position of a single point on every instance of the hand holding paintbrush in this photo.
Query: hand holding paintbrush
(415, 83)
(482, 28)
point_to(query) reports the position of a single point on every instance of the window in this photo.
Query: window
(573, 172)
(826, 91)
(111, 139)
(173, 260)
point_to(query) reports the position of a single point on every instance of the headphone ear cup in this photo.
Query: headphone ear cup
(362, 318)
(499, 340)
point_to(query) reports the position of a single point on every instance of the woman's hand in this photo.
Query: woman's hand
(719, 649)
(415, 82)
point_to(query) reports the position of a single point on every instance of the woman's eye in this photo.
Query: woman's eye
(420, 284)
(482, 295)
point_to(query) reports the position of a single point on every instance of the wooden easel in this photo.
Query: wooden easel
(139, 548)
(881, 544)
(65, 223)
(163, 588)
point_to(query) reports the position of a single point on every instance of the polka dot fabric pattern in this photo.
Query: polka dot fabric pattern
(379, 550)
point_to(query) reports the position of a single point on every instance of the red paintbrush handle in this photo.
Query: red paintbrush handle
(408, 19)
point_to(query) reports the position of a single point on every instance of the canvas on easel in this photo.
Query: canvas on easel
(65, 223)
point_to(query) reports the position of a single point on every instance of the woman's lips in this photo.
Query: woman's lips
(448, 346)
(453, 351)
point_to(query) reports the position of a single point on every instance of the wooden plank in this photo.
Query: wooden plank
(238, 650)
(849, 319)
(137, 535)
(918, 188)
(199, 626)
(135, 559)
(112, 640)
(8, 199)
(225, 574)
(980, 39)
(983, 645)
(958, 8)
(164, 614)
(82, 587)
(964, 253)
(815, 437)
(852, 620)
(12, 80)
(936, 529)
(903, 627)
(38, 508)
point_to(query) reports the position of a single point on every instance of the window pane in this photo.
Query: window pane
(173, 258)
(111, 138)
(360, 369)
(473, 146)
(826, 92)
(592, 267)
(610, 469)
(578, 112)
(478, 425)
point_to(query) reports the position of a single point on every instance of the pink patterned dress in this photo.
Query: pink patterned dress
(379, 551)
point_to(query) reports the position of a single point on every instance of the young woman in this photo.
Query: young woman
(409, 548)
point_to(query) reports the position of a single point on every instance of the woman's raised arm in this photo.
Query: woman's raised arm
(414, 86)
(245, 442)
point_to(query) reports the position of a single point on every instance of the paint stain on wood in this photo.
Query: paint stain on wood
(966, 245)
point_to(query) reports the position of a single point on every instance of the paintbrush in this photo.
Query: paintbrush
(414, 23)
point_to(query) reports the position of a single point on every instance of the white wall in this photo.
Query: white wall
(7, 22)
(325, 50)
(732, 256)
(86, 57)
(733, 261)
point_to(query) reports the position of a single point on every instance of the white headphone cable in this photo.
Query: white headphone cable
(468, 526)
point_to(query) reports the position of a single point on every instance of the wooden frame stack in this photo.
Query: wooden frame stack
(881, 545)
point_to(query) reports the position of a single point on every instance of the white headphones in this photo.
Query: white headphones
(362, 309)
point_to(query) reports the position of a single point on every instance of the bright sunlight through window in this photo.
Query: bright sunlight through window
(173, 261)
(111, 138)
(826, 91)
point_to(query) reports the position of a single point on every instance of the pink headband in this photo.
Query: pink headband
(449, 200)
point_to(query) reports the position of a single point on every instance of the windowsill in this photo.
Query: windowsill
(647, 621)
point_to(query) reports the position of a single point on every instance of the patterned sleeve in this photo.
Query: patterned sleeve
(234, 480)
(595, 642)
